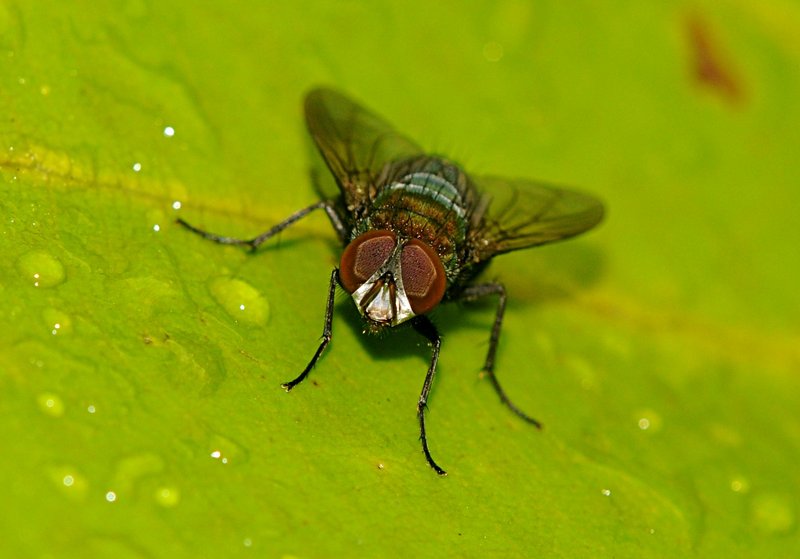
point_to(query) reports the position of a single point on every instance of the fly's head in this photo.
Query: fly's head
(391, 280)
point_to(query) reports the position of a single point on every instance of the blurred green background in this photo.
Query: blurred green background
(140, 408)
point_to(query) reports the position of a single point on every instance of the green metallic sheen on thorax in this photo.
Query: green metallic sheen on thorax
(424, 200)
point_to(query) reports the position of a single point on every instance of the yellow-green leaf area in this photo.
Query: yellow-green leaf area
(140, 365)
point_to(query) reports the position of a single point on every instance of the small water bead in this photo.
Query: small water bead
(217, 455)
(41, 269)
(740, 484)
(226, 451)
(51, 404)
(68, 481)
(168, 496)
(57, 322)
(241, 300)
(648, 420)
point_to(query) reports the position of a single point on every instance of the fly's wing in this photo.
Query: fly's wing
(355, 143)
(512, 214)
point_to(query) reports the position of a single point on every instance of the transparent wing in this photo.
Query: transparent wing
(512, 214)
(355, 143)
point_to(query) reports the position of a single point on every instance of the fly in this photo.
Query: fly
(417, 230)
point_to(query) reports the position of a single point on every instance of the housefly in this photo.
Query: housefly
(417, 230)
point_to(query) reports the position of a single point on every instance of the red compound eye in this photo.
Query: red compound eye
(423, 276)
(363, 256)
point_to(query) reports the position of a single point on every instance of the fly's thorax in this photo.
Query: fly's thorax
(391, 278)
(427, 206)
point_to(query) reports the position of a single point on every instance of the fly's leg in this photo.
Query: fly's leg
(327, 334)
(425, 327)
(472, 293)
(254, 243)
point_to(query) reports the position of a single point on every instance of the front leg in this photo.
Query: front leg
(327, 334)
(482, 290)
(255, 242)
(425, 327)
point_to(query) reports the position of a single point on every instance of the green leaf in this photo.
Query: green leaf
(141, 408)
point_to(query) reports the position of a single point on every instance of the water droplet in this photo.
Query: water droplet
(606, 492)
(156, 228)
(168, 496)
(137, 167)
(169, 131)
(773, 513)
(241, 300)
(41, 268)
(176, 205)
(226, 451)
(91, 408)
(51, 404)
(57, 322)
(111, 496)
(217, 455)
(739, 484)
(247, 542)
(648, 420)
(68, 481)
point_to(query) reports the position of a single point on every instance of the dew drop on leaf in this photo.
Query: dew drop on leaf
(41, 269)
(50, 404)
(57, 322)
(168, 496)
(240, 300)
(226, 451)
(68, 481)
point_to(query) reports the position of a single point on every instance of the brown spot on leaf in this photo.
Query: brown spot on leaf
(710, 68)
